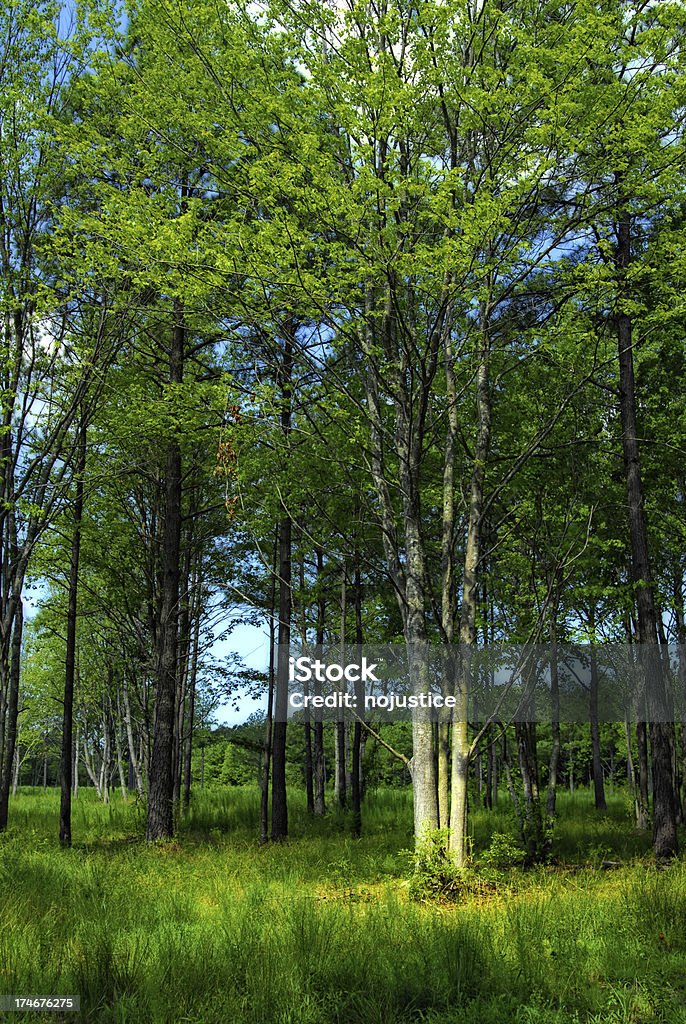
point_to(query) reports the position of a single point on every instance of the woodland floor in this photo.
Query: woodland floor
(324, 929)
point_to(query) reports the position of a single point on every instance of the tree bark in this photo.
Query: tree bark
(190, 723)
(12, 712)
(443, 774)
(534, 842)
(681, 641)
(279, 804)
(598, 783)
(66, 765)
(269, 722)
(15, 771)
(468, 634)
(318, 766)
(665, 841)
(340, 778)
(356, 780)
(134, 760)
(160, 824)
(554, 766)
(182, 669)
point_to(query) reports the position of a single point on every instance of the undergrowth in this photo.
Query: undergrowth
(322, 930)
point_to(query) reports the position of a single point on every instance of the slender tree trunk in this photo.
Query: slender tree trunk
(190, 725)
(468, 634)
(66, 776)
(409, 573)
(17, 765)
(269, 723)
(681, 641)
(528, 766)
(356, 779)
(494, 774)
(75, 776)
(308, 764)
(665, 841)
(4, 693)
(279, 804)
(12, 712)
(448, 592)
(318, 766)
(556, 747)
(160, 823)
(443, 769)
(90, 768)
(478, 743)
(631, 782)
(134, 760)
(119, 751)
(598, 784)
(640, 779)
(339, 786)
(183, 668)
(106, 754)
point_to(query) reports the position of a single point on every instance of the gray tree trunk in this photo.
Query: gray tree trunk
(665, 840)
(66, 764)
(468, 634)
(160, 822)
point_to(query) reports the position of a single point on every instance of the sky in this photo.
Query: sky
(251, 644)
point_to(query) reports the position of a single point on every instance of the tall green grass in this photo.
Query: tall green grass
(320, 930)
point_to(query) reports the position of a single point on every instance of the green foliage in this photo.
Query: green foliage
(503, 852)
(434, 876)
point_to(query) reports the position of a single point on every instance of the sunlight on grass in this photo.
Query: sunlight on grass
(320, 930)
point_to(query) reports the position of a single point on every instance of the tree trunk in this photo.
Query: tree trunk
(534, 839)
(339, 785)
(318, 766)
(160, 824)
(106, 755)
(356, 779)
(448, 591)
(279, 804)
(90, 768)
(309, 760)
(11, 715)
(631, 782)
(681, 641)
(183, 667)
(443, 769)
(556, 747)
(15, 772)
(190, 724)
(598, 784)
(269, 722)
(665, 841)
(119, 752)
(66, 765)
(468, 634)
(134, 761)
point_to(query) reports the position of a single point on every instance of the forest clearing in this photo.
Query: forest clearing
(326, 928)
(343, 511)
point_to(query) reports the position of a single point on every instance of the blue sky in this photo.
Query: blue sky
(251, 644)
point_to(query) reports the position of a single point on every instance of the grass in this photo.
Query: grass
(320, 930)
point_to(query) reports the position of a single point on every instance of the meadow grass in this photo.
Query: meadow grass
(213, 929)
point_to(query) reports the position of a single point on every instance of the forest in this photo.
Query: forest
(360, 323)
